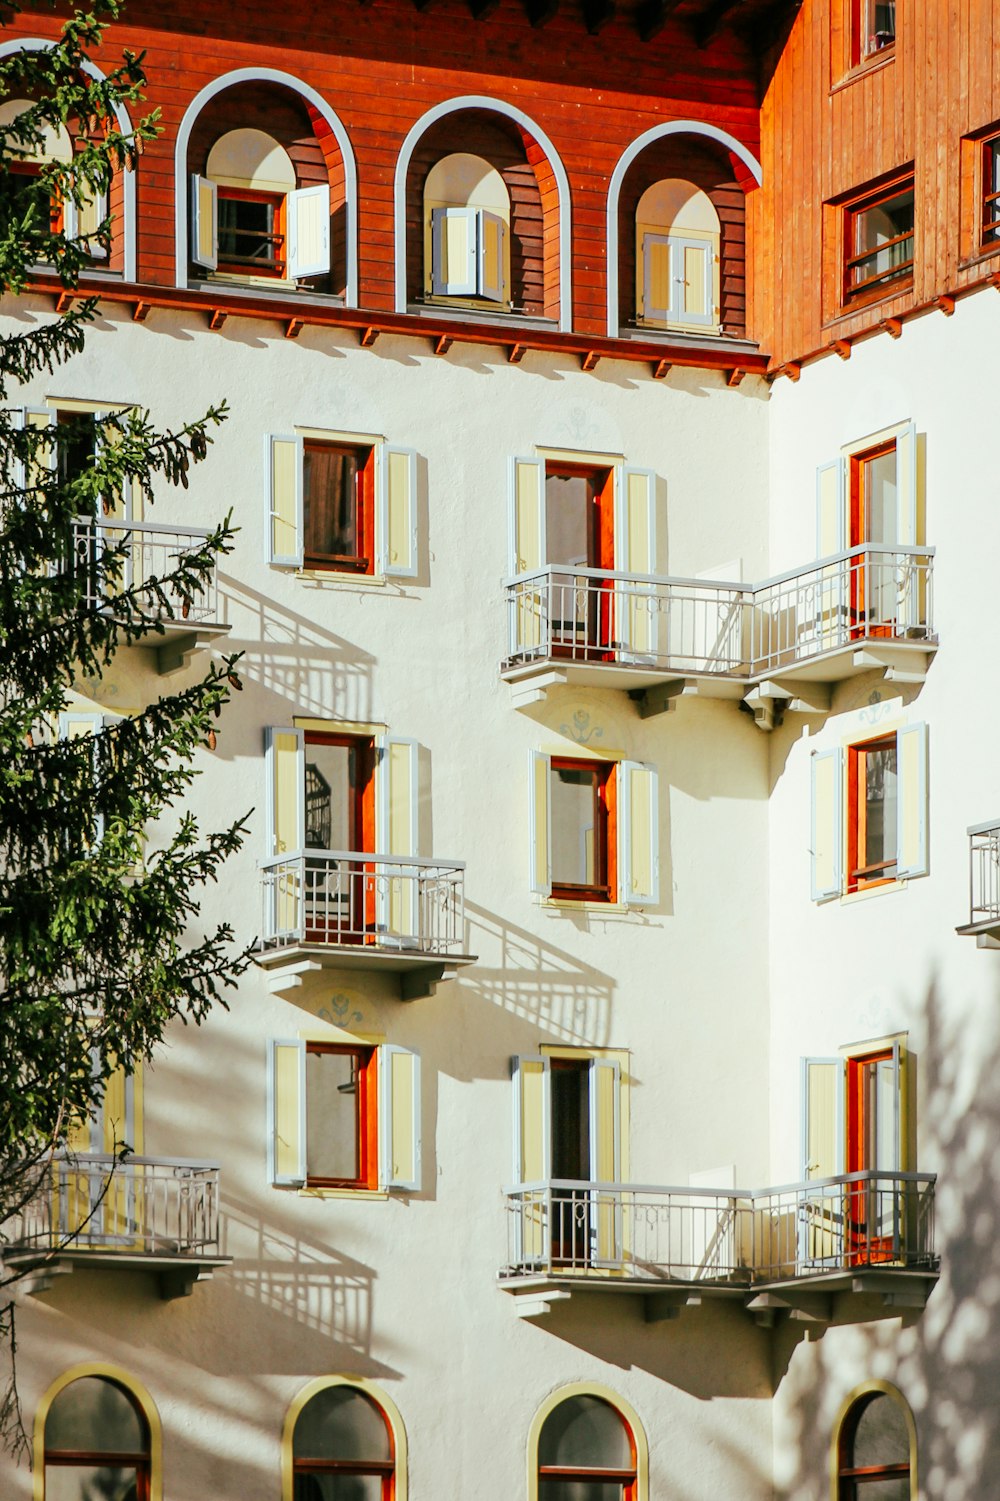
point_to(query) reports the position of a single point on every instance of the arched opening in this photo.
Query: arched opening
(875, 1449)
(26, 163)
(342, 1447)
(586, 1452)
(681, 239)
(267, 200)
(96, 1442)
(482, 224)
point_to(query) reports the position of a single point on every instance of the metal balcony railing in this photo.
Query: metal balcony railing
(694, 626)
(984, 872)
(344, 897)
(152, 553)
(859, 1220)
(144, 1205)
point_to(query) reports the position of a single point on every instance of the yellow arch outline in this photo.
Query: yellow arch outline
(134, 1388)
(867, 1388)
(358, 1383)
(626, 1410)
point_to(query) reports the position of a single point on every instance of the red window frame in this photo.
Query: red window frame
(250, 267)
(989, 230)
(852, 1478)
(360, 926)
(860, 288)
(598, 595)
(859, 875)
(860, 530)
(365, 1070)
(364, 502)
(605, 784)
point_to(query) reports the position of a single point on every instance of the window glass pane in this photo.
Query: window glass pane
(570, 1088)
(991, 192)
(569, 520)
(880, 803)
(246, 231)
(896, 1488)
(331, 1118)
(341, 1423)
(75, 441)
(94, 1416)
(580, 1490)
(338, 1488)
(585, 1431)
(328, 796)
(90, 1483)
(880, 1437)
(330, 501)
(881, 24)
(574, 847)
(880, 498)
(883, 238)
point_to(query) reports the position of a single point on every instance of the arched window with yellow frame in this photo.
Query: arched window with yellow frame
(874, 1447)
(587, 1444)
(343, 1441)
(97, 1433)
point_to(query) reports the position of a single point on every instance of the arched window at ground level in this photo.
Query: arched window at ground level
(587, 1444)
(875, 1447)
(94, 1439)
(343, 1441)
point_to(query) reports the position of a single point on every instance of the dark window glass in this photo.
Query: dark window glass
(880, 242)
(96, 1444)
(248, 233)
(341, 1448)
(586, 1432)
(333, 503)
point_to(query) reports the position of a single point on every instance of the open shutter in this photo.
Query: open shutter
(307, 224)
(822, 1117)
(122, 1124)
(492, 257)
(284, 529)
(397, 518)
(396, 833)
(532, 1120)
(527, 515)
(399, 1118)
(826, 840)
(285, 767)
(286, 1100)
(694, 280)
(911, 802)
(204, 223)
(638, 834)
(454, 252)
(605, 1121)
(906, 488)
(540, 824)
(830, 508)
(656, 277)
(635, 552)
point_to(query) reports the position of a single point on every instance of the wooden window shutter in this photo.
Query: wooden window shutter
(204, 223)
(638, 834)
(694, 281)
(907, 487)
(399, 1118)
(635, 626)
(284, 522)
(492, 256)
(831, 505)
(827, 832)
(285, 761)
(657, 279)
(307, 225)
(286, 1099)
(89, 216)
(540, 825)
(912, 802)
(526, 505)
(605, 1120)
(532, 1120)
(397, 809)
(396, 543)
(454, 252)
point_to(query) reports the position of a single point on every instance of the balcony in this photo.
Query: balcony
(984, 885)
(144, 1214)
(337, 909)
(795, 1250)
(780, 644)
(152, 554)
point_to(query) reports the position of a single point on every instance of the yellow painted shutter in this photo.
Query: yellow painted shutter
(527, 611)
(829, 626)
(655, 288)
(454, 251)
(911, 605)
(399, 1118)
(635, 553)
(821, 1231)
(287, 1110)
(397, 541)
(492, 256)
(826, 825)
(532, 1135)
(539, 830)
(912, 854)
(638, 834)
(605, 1160)
(284, 496)
(397, 833)
(285, 771)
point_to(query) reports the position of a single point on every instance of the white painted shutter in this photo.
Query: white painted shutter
(284, 522)
(89, 216)
(635, 520)
(491, 247)
(285, 770)
(540, 825)
(830, 508)
(693, 268)
(656, 277)
(307, 224)
(399, 1118)
(822, 1117)
(454, 252)
(204, 223)
(638, 834)
(526, 503)
(286, 1107)
(907, 521)
(396, 544)
(532, 1120)
(826, 839)
(605, 1121)
(911, 802)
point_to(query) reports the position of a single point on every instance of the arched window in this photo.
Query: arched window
(26, 162)
(342, 1448)
(586, 1452)
(96, 1443)
(677, 256)
(875, 1450)
(466, 230)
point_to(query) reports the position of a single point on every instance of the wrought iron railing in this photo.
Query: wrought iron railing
(722, 1236)
(345, 897)
(152, 553)
(147, 1205)
(984, 872)
(710, 627)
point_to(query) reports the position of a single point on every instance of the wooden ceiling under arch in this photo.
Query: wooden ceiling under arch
(760, 22)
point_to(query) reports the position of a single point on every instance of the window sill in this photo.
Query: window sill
(873, 64)
(868, 892)
(487, 313)
(970, 262)
(343, 1193)
(334, 576)
(863, 305)
(255, 287)
(567, 904)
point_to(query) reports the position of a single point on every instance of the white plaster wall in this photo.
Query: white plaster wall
(856, 969)
(404, 1291)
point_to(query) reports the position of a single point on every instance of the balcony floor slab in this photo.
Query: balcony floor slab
(288, 967)
(176, 1272)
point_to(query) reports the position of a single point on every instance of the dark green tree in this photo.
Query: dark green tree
(101, 868)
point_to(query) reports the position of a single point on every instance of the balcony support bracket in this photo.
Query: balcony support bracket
(177, 647)
(417, 984)
(659, 699)
(660, 1306)
(803, 1308)
(538, 1305)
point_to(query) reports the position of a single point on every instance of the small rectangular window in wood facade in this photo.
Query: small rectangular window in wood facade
(878, 242)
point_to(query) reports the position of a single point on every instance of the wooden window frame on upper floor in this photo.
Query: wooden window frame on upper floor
(865, 47)
(891, 281)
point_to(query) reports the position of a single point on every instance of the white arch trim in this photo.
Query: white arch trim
(624, 1409)
(43, 44)
(319, 104)
(628, 156)
(497, 107)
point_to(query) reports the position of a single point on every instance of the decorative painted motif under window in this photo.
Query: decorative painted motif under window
(879, 241)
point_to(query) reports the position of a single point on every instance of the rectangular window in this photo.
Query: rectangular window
(337, 509)
(878, 241)
(991, 193)
(872, 812)
(251, 232)
(579, 807)
(341, 1117)
(873, 29)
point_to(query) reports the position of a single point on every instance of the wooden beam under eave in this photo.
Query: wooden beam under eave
(597, 14)
(893, 327)
(140, 312)
(443, 343)
(662, 369)
(841, 347)
(540, 12)
(368, 336)
(652, 16)
(590, 360)
(708, 25)
(217, 318)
